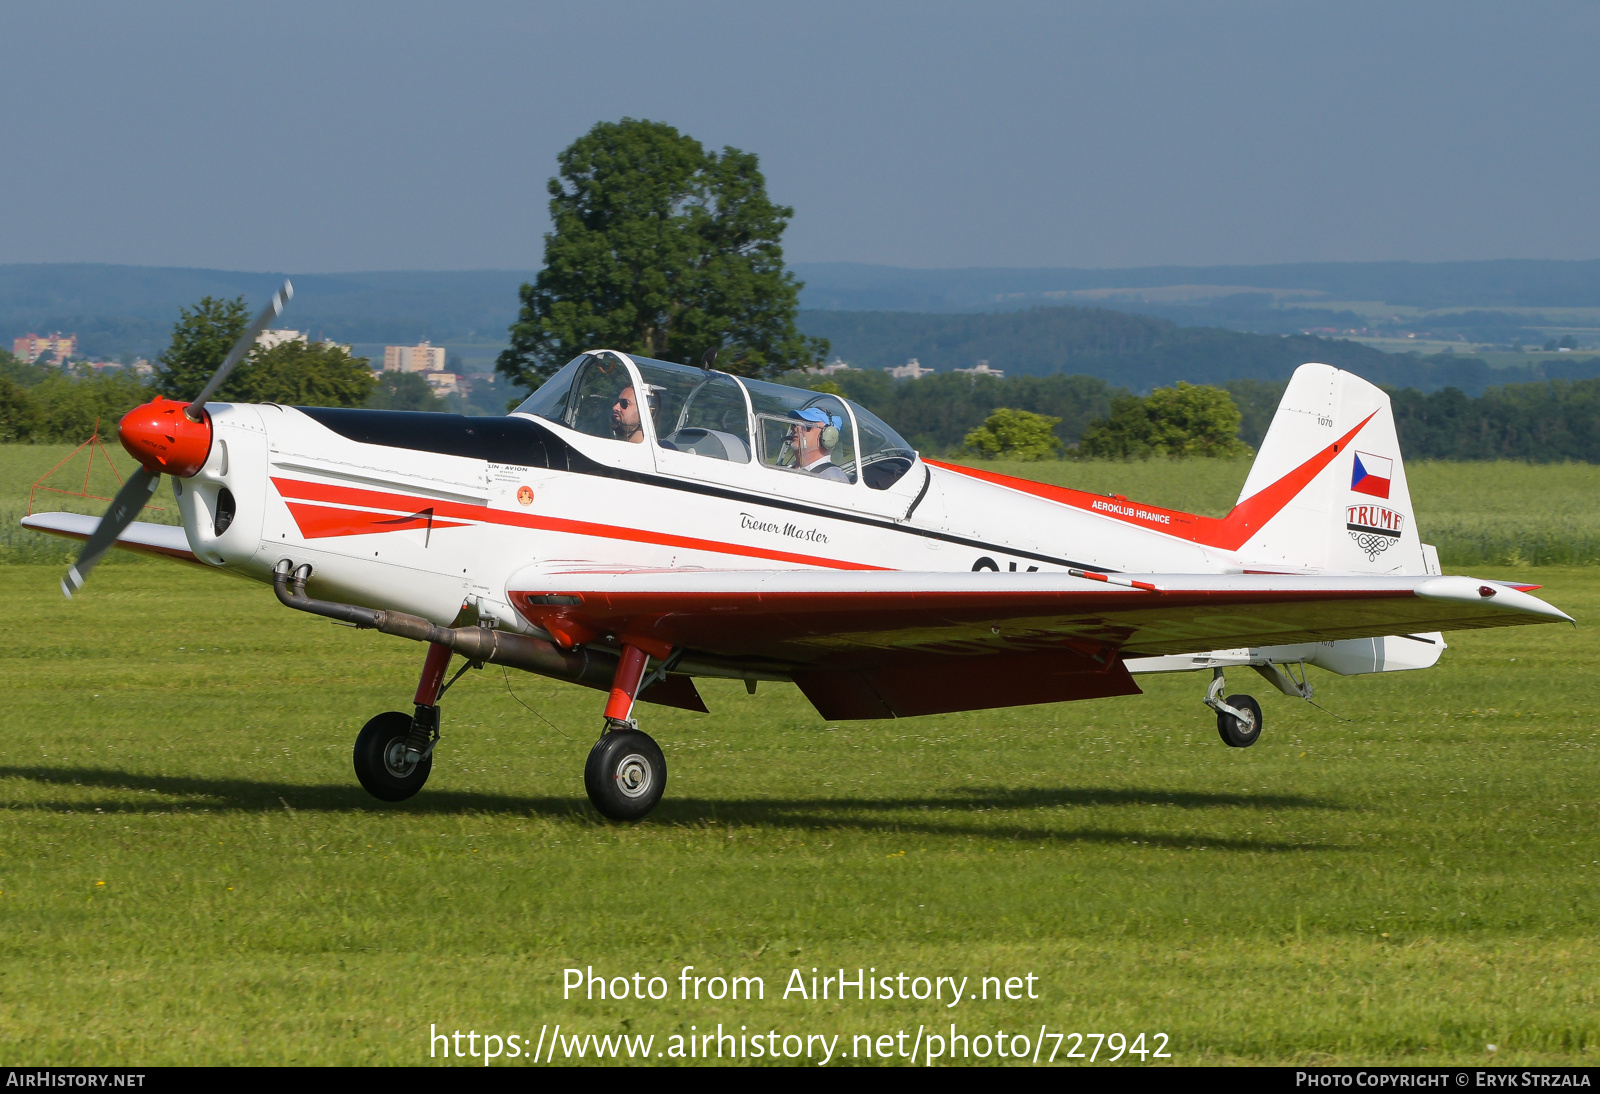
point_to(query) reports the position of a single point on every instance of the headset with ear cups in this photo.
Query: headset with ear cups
(830, 434)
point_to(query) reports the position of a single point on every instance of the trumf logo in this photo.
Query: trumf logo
(1374, 528)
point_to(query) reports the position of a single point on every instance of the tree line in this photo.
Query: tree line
(1546, 421)
(41, 404)
(1541, 422)
(938, 413)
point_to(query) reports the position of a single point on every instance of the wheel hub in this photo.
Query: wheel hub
(395, 760)
(634, 776)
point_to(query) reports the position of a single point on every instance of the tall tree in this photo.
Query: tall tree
(293, 372)
(304, 374)
(201, 339)
(663, 249)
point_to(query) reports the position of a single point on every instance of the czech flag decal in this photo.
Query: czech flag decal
(1371, 475)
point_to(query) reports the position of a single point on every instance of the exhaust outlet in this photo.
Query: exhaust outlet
(591, 668)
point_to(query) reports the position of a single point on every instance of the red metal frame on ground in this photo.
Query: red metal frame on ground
(93, 444)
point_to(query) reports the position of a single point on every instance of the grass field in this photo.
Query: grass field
(189, 873)
(21, 465)
(1499, 512)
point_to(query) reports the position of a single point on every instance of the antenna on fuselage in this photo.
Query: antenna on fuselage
(709, 358)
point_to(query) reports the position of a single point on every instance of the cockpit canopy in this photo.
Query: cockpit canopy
(714, 414)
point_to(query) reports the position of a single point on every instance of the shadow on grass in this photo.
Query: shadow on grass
(981, 813)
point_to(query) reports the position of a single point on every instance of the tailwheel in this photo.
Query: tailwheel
(1241, 729)
(386, 767)
(625, 775)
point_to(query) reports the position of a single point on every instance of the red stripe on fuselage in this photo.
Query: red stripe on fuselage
(1229, 534)
(377, 499)
(322, 521)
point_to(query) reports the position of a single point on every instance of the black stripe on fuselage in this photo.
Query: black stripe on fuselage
(525, 443)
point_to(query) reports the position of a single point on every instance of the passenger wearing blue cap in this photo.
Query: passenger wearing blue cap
(813, 437)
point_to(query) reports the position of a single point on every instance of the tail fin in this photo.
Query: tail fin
(1329, 474)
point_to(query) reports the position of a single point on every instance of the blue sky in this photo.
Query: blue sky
(359, 136)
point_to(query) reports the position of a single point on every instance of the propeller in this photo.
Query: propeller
(161, 442)
(273, 309)
(133, 496)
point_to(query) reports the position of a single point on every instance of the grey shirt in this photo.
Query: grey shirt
(825, 468)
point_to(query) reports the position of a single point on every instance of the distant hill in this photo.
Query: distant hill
(1140, 352)
(946, 318)
(1488, 303)
(1517, 283)
(118, 309)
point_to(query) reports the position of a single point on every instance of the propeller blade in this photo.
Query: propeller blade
(124, 507)
(273, 309)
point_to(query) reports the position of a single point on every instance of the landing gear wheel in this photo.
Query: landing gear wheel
(380, 757)
(625, 775)
(1237, 733)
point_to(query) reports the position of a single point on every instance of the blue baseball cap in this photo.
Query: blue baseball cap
(817, 416)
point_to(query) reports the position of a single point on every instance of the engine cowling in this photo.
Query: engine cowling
(162, 438)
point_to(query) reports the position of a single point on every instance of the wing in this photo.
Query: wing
(876, 643)
(166, 540)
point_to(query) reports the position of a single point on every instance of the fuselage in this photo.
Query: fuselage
(425, 512)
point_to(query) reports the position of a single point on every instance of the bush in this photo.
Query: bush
(62, 406)
(19, 418)
(1015, 434)
(1186, 420)
(69, 407)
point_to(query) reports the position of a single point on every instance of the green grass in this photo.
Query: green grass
(22, 465)
(1499, 512)
(189, 874)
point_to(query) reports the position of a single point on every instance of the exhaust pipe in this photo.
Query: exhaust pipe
(591, 668)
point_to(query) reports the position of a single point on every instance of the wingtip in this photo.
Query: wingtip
(1503, 595)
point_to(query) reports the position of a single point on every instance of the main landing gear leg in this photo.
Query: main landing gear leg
(1238, 718)
(394, 751)
(626, 773)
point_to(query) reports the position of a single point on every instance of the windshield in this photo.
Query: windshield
(592, 394)
(805, 432)
(550, 401)
(697, 410)
(717, 415)
(885, 455)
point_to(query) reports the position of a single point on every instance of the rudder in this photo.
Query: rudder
(1353, 513)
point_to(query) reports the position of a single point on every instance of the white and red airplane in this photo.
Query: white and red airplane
(636, 524)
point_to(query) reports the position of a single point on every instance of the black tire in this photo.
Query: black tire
(380, 759)
(1237, 734)
(625, 775)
